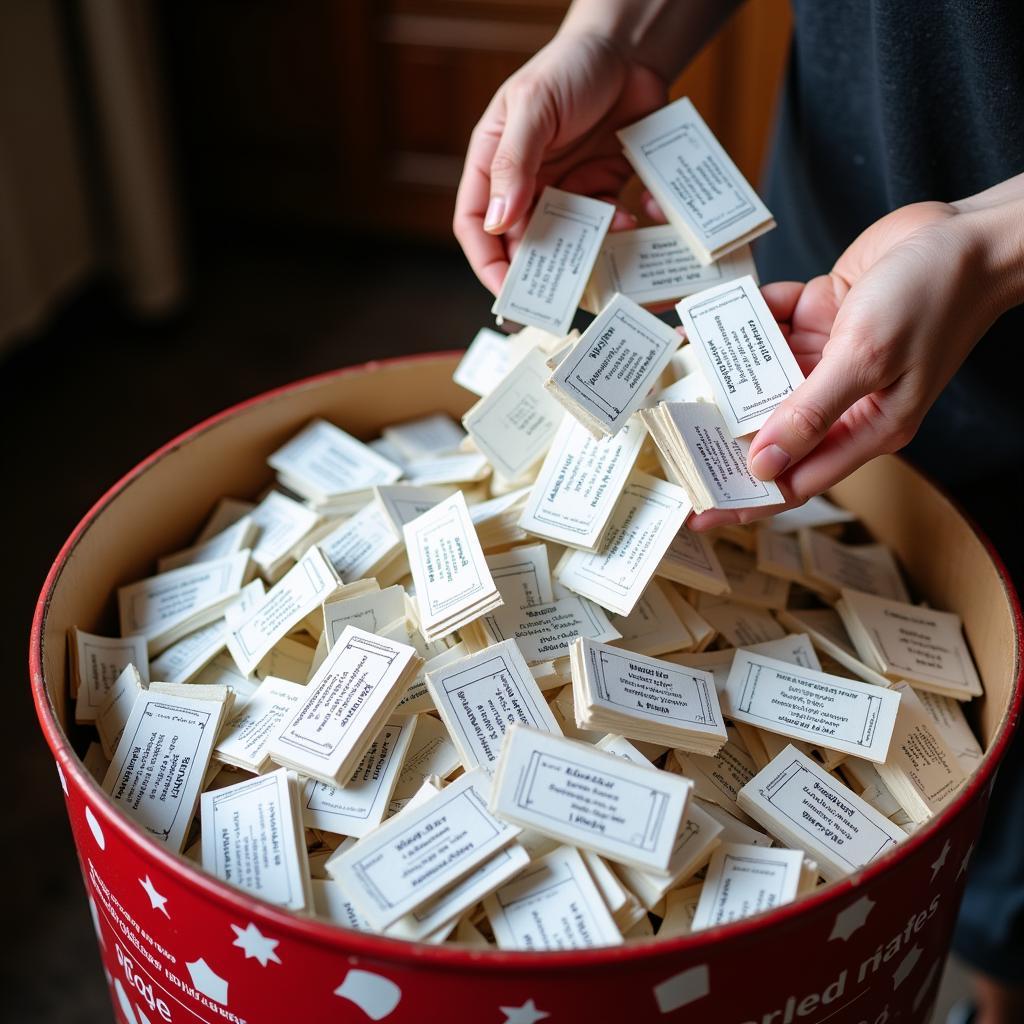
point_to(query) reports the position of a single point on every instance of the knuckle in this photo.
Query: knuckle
(808, 421)
(504, 164)
(899, 434)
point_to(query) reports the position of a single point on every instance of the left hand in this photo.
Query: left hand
(878, 339)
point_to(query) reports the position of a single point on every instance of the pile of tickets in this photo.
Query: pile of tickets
(477, 683)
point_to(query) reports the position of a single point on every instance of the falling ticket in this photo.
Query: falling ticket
(552, 265)
(742, 352)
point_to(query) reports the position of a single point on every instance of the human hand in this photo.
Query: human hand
(552, 123)
(878, 339)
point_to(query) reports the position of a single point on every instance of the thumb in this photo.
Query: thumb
(529, 129)
(801, 422)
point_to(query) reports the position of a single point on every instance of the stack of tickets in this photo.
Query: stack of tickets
(489, 687)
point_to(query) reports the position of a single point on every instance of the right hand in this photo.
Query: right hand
(552, 123)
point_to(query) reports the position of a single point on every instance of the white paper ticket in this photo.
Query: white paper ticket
(654, 266)
(282, 523)
(233, 538)
(553, 905)
(361, 543)
(720, 459)
(830, 711)
(252, 840)
(489, 358)
(547, 631)
(331, 902)
(719, 777)
(616, 363)
(691, 559)
(431, 753)
(522, 575)
(745, 880)
(588, 798)
(482, 695)
(580, 481)
(323, 461)
(422, 851)
(166, 607)
(156, 773)
(652, 690)
(372, 611)
(552, 265)
(245, 738)
(948, 717)
(819, 814)
(870, 568)
(515, 423)
(648, 514)
(742, 352)
(433, 921)
(404, 502)
(116, 707)
(448, 567)
(301, 590)
(359, 680)
(99, 660)
(701, 191)
(360, 805)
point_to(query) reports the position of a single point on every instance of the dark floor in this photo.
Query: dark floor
(83, 404)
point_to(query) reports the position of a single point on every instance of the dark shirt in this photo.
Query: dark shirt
(889, 102)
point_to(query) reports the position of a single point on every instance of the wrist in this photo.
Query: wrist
(993, 239)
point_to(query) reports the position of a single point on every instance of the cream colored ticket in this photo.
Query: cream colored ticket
(448, 567)
(359, 806)
(745, 880)
(300, 591)
(588, 798)
(742, 352)
(233, 538)
(579, 483)
(870, 568)
(552, 265)
(361, 543)
(404, 502)
(701, 191)
(423, 850)
(609, 372)
(819, 814)
(98, 661)
(545, 632)
(648, 514)
(245, 738)
(360, 680)
(488, 360)
(553, 905)
(282, 523)
(654, 266)
(480, 697)
(829, 711)
(253, 839)
(156, 773)
(514, 425)
(116, 707)
(372, 611)
(522, 575)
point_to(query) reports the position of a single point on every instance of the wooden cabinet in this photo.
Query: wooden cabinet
(357, 113)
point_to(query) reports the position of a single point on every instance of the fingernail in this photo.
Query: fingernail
(769, 462)
(495, 212)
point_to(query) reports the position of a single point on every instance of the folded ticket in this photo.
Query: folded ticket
(745, 880)
(607, 374)
(830, 711)
(742, 352)
(156, 774)
(579, 483)
(253, 839)
(96, 663)
(645, 698)
(245, 738)
(513, 426)
(702, 456)
(795, 799)
(553, 905)
(166, 607)
(422, 851)
(547, 631)
(322, 462)
(302, 589)
(480, 697)
(654, 266)
(699, 189)
(449, 571)
(588, 798)
(648, 514)
(353, 693)
(360, 805)
(552, 265)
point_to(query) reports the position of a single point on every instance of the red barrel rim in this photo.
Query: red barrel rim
(443, 956)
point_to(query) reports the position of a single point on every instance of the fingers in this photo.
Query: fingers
(486, 253)
(530, 126)
(652, 209)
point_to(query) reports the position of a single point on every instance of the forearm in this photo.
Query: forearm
(993, 224)
(663, 35)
